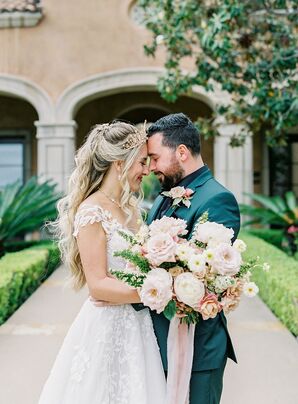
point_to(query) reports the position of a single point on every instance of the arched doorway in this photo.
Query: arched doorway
(18, 145)
(22, 105)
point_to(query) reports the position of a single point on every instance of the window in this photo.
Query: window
(12, 160)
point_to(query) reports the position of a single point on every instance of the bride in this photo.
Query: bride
(110, 354)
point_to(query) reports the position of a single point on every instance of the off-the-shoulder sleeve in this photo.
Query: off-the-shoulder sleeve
(88, 215)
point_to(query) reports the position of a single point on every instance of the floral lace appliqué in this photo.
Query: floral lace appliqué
(80, 363)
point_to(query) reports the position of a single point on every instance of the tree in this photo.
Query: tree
(247, 48)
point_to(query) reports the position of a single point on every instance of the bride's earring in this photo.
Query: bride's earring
(119, 177)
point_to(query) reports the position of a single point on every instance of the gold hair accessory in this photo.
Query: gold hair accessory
(138, 137)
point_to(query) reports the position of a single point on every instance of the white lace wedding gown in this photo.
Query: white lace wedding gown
(110, 354)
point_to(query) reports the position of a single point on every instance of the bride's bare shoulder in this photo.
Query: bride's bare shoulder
(95, 200)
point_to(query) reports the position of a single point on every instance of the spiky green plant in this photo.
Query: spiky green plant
(273, 210)
(277, 211)
(25, 208)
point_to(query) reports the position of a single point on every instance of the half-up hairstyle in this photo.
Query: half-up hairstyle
(105, 144)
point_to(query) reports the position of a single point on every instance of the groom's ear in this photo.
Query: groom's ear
(182, 153)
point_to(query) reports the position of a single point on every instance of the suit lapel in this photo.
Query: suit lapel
(171, 210)
(197, 182)
(200, 180)
(154, 210)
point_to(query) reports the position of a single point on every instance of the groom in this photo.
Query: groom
(175, 158)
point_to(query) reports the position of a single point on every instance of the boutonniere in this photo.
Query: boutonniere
(180, 195)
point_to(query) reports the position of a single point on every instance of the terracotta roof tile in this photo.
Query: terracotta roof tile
(30, 6)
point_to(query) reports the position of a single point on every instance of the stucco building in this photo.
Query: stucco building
(68, 64)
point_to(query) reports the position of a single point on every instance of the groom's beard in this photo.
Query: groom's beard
(172, 176)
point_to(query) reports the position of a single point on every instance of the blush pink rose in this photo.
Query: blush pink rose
(229, 303)
(161, 248)
(212, 233)
(177, 192)
(188, 192)
(226, 260)
(169, 225)
(156, 291)
(234, 292)
(209, 306)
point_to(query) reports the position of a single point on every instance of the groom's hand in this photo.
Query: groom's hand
(101, 303)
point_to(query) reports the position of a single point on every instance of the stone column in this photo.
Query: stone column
(233, 167)
(55, 151)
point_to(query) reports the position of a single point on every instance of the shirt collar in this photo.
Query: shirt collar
(184, 182)
(190, 177)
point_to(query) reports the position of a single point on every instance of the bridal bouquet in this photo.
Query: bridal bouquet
(189, 279)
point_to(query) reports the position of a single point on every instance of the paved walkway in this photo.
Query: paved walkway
(268, 354)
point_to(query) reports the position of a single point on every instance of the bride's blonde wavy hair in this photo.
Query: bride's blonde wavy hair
(104, 145)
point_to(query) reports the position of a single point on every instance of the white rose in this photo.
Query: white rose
(197, 264)
(189, 289)
(212, 233)
(226, 261)
(239, 245)
(168, 225)
(156, 291)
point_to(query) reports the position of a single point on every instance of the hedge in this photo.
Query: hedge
(22, 272)
(272, 236)
(279, 286)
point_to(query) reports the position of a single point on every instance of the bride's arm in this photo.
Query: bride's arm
(92, 244)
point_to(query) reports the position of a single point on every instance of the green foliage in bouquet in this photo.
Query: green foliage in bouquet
(134, 280)
(246, 49)
(135, 259)
(170, 310)
(128, 237)
(248, 266)
(25, 208)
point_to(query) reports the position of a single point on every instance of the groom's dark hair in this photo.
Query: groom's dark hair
(177, 129)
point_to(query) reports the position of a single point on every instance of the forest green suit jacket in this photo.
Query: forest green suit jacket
(212, 342)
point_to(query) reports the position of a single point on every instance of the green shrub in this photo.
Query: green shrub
(279, 286)
(54, 256)
(272, 236)
(25, 208)
(18, 245)
(22, 272)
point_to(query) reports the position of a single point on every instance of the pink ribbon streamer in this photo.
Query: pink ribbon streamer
(180, 356)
